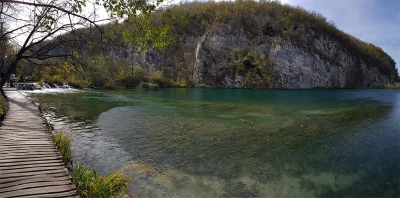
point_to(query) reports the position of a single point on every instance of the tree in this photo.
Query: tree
(6, 50)
(32, 27)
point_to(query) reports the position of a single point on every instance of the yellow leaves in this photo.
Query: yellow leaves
(121, 74)
(64, 73)
(155, 75)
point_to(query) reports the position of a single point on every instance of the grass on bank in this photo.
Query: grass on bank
(3, 107)
(90, 184)
(393, 86)
(63, 144)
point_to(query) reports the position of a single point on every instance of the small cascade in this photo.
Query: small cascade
(65, 86)
(46, 88)
(29, 86)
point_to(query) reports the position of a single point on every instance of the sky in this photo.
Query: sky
(373, 21)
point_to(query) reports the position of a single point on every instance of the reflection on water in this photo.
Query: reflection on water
(237, 143)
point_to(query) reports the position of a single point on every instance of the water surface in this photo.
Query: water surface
(237, 143)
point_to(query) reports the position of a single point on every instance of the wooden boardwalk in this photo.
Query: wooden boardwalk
(30, 165)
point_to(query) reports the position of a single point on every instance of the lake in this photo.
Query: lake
(236, 142)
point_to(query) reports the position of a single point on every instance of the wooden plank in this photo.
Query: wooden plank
(33, 169)
(10, 133)
(22, 178)
(25, 143)
(25, 151)
(24, 129)
(35, 184)
(35, 180)
(32, 153)
(71, 193)
(30, 162)
(21, 131)
(14, 175)
(32, 166)
(38, 191)
(5, 137)
(23, 140)
(30, 148)
(28, 156)
(55, 175)
(29, 159)
(27, 147)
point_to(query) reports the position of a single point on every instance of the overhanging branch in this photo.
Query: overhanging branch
(54, 7)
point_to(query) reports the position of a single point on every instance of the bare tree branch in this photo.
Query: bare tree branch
(14, 30)
(54, 7)
(47, 57)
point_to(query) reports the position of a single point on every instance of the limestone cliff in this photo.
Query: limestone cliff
(267, 45)
(290, 66)
(263, 45)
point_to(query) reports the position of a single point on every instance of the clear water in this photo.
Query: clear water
(237, 143)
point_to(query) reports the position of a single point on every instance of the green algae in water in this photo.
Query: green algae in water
(243, 143)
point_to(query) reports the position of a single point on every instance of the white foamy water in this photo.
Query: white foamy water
(46, 88)
(54, 90)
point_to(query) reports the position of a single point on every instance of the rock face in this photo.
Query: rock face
(249, 53)
(291, 67)
(275, 63)
(296, 68)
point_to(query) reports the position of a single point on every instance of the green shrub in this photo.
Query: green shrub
(180, 83)
(148, 86)
(89, 184)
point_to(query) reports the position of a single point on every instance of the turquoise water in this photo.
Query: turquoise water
(237, 143)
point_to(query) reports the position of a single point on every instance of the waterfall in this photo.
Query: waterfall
(198, 69)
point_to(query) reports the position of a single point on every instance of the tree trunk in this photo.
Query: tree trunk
(10, 70)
